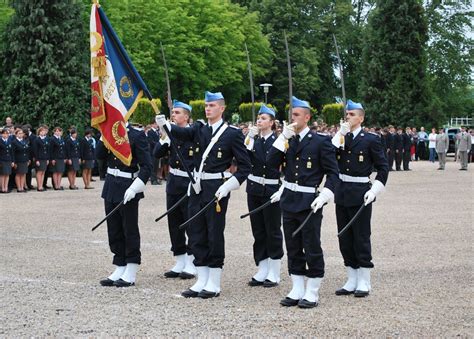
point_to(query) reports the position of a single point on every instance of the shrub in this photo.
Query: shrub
(332, 113)
(144, 113)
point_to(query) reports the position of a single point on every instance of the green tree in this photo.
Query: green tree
(309, 25)
(450, 58)
(203, 43)
(45, 76)
(395, 85)
(5, 13)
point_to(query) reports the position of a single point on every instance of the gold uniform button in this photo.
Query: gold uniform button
(349, 152)
(264, 166)
(297, 158)
(296, 166)
(115, 158)
(347, 169)
(296, 181)
(296, 174)
(348, 161)
(263, 175)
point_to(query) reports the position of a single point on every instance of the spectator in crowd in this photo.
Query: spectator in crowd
(432, 144)
(442, 145)
(58, 157)
(464, 142)
(73, 156)
(31, 138)
(6, 161)
(414, 144)
(41, 151)
(407, 143)
(8, 122)
(391, 146)
(87, 157)
(21, 158)
(421, 145)
(398, 146)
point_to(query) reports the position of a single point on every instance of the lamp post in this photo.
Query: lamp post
(266, 88)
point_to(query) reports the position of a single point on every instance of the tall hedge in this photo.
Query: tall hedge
(245, 110)
(199, 109)
(144, 113)
(45, 68)
(332, 113)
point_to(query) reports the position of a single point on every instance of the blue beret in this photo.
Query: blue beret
(213, 96)
(295, 102)
(179, 104)
(353, 105)
(266, 110)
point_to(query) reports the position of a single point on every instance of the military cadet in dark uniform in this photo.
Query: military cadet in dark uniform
(407, 140)
(6, 160)
(58, 157)
(41, 151)
(398, 146)
(125, 183)
(87, 158)
(73, 156)
(176, 188)
(307, 157)
(21, 158)
(361, 152)
(216, 144)
(262, 183)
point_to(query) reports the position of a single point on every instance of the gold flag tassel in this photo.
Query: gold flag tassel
(99, 63)
(218, 207)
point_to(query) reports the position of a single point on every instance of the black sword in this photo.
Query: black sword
(204, 209)
(354, 218)
(116, 208)
(259, 208)
(175, 206)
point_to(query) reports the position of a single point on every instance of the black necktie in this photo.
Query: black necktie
(297, 140)
(349, 139)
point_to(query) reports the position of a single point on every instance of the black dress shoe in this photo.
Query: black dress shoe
(107, 282)
(123, 283)
(268, 283)
(289, 302)
(190, 293)
(303, 303)
(186, 275)
(361, 294)
(171, 274)
(207, 295)
(255, 282)
(343, 292)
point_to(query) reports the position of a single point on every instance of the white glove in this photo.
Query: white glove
(253, 131)
(377, 188)
(161, 121)
(137, 186)
(165, 140)
(288, 130)
(345, 128)
(277, 195)
(230, 185)
(324, 196)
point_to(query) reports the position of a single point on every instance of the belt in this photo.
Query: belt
(348, 178)
(178, 172)
(118, 173)
(212, 176)
(298, 188)
(263, 181)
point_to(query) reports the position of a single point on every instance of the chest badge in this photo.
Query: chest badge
(361, 158)
(309, 164)
(219, 155)
(191, 152)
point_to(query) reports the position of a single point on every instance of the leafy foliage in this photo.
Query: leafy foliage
(44, 76)
(144, 113)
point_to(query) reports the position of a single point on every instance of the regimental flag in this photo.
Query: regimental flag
(115, 84)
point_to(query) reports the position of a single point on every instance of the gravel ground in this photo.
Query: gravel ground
(51, 264)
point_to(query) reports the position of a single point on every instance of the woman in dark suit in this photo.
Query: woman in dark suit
(21, 159)
(6, 161)
(41, 151)
(87, 157)
(58, 157)
(73, 155)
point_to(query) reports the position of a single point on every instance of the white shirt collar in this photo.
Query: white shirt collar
(215, 125)
(303, 133)
(356, 131)
(267, 136)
